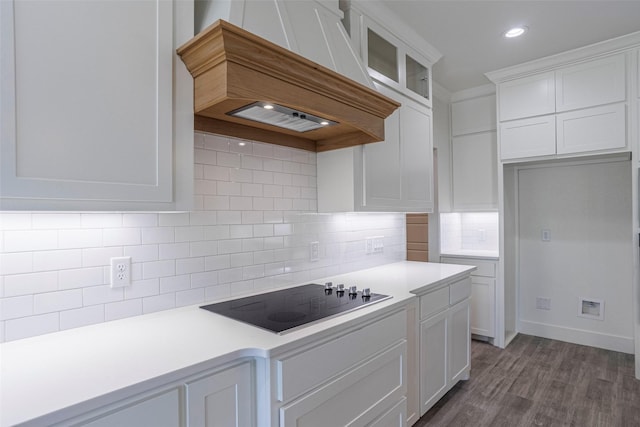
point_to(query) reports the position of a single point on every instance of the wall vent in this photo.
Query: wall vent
(591, 308)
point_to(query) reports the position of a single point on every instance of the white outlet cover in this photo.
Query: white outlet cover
(120, 272)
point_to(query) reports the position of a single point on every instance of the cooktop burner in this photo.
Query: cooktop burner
(283, 310)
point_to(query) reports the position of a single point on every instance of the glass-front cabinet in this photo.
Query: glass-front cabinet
(392, 62)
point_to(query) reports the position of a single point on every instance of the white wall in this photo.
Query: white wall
(251, 229)
(587, 210)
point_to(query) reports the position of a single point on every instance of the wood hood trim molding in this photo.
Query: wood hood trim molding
(233, 68)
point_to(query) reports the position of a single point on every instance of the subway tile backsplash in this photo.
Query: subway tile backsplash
(253, 219)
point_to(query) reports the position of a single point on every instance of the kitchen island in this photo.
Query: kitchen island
(133, 367)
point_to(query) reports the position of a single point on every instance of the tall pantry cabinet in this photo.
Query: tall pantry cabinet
(96, 108)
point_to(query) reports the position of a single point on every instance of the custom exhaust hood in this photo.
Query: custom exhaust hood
(248, 87)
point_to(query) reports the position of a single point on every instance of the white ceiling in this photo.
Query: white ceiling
(468, 33)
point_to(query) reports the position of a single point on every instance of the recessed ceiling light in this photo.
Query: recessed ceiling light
(515, 32)
(267, 107)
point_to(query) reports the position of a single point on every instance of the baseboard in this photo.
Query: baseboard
(578, 336)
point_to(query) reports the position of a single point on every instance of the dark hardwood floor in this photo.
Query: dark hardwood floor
(541, 382)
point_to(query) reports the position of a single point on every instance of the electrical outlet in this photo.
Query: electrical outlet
(543, 303)
(314, 251)
(378, 244)
(120, 271)
(369, 245)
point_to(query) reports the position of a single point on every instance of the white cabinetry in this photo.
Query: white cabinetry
(474, 154)
(483, 294)
(572, 110)
(95, 108)
(444, 315)
(365, 384)
(222, 399)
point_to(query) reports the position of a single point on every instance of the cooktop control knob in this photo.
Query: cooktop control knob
(340, 287)
(366, 293)
(328, 286)
(353, 290)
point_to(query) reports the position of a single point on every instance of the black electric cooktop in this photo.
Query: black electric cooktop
(280, 311)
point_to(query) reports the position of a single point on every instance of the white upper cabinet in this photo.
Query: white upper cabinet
(528, 138)
(598, 128)
(592, 83)
(527, 97)
(473, 115)
(96, 110)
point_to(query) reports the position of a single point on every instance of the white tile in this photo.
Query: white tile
(189, 265)
(174, 250)
(216, 232)
(274, 268)
(153, 235)
(232, 160)
(301, 205)
(240, 231)
(57, 301)
(308, 193)
(53, 221)
(203, 218)
(15, 221)
(198, 140)
(242, 288)
(300, 180)
(31, 283)
(101, 220)
(229, 246)
(263, 230)
(216, 173)
(205, 248)
(262, 150)
(230, 217)
(84, 238)
(122, 236)
(198, 202)
(217, 262)
(306, 169)
(263, 204)
(175, 283)
(142, 288)
(198, 171)
(81, 317)
(99, 256)
(142, 253)
(122, 309)
(240, 146)
(101, 295)
(263, 257)
(192, 233)
(229, 188)
(291, 192)
(282, 229)
(282, 178)
(29, 240)
(283, 204)
(216, 142)
(57, 260)
(276, 242)
(250, 245)
(230, 275)
(158, 303)
(252, 217)
(241, 175)
(140, 220)
(173, 219)
(204, 187)
(14, 307)
(242, 259)
(190, 297)
(272, 191)
(16, 263)
(239, 203)
(252, 190)
(299, 156)
(204, 279)
(155, 269)
(205, 157)
(213, 293)
(216, 203)
(2, 339)
(262, 177)
(80, 278)
(273, 217)
(252, 272)
(272, 165)
(284, 153)
(251, 162)
(31, 326)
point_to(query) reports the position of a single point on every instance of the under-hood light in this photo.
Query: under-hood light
(283, 117)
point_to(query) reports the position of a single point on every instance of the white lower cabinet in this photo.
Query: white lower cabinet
(445, 341)
(351, 379)
(162, 410)
(222, 399)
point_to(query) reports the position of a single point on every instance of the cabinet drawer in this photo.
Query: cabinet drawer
(485, 268)
(394, 417)
(298, 373)
(355, 398)
(434, 302)
(459, 290)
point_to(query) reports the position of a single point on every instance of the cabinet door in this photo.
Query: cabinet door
(459, 356)
(527, 97)
(473, 115)
(222, 399)
(160, 411)
(483, 306)
(475, 171)
(88, 103)
(592, 83)
(592, 129)
(528, 138)
(434, 353)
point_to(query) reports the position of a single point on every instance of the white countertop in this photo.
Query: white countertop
(470, 253)
(89, 366)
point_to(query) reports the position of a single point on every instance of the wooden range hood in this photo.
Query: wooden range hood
(233, 68)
